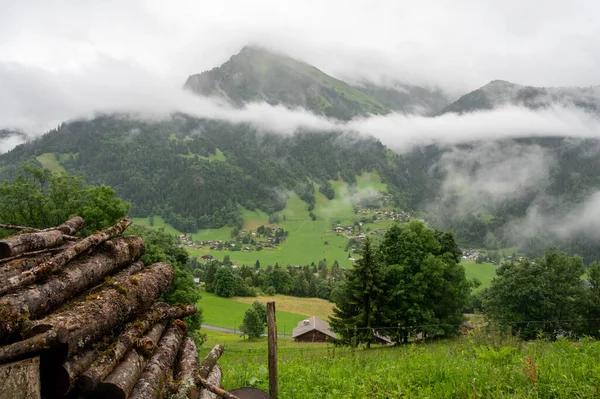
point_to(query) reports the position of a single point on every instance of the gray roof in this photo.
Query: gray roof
(310, 324)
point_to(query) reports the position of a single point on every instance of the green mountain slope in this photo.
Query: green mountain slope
(406, 98)
(256, 74)
(200, 180)
(498, 93)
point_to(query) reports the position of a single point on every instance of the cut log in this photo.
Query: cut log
(71, 226)
(109, 360)
(210, 360)
(20, 379)
(34, 345)
(62, 258)
(153, 380)
(89, 318)
(202, 382)
(119, 383)
(9, 264)
(187, 364)
(13, 227)
(70, 281)
(58, 380)
(21, 243)
(214, 378)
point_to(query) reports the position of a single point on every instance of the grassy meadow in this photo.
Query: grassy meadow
(229, 313)
(484, 272)
(49, 161)
(479, 366)
(308, 240)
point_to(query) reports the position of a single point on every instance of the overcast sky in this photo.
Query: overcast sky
(60, 59)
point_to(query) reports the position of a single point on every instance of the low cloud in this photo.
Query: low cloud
(35, 100)
(404, 132)
(480, 178)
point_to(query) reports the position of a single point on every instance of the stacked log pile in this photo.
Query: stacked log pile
(87, 307)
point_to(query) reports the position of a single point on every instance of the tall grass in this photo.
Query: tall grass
(480, 366)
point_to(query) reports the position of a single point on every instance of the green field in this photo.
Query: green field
(308, 240)
(229, 313)
(479, 366)
(49, 161)
(484, 272)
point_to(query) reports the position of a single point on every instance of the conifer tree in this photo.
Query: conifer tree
(357, 311)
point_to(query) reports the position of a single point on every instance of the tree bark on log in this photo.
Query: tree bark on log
(210, 360)
(202, 382)
(34, 345)
(186, 366)
(73, 279)
(11, 263)
(119, 383)
(58, 380)
(152, 382)
(21, 379)
(89, 318)
(71, 226)
(29, 242)
(214, 378)
(110, 359)
(62, 258)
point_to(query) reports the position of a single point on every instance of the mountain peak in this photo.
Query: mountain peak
(501, 92)
(258, 74)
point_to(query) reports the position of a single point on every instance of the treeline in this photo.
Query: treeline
(314, 281)
(553, 295)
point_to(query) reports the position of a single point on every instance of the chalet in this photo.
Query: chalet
(339, 229)
(380, 339)
(313, 329)
(207, 257)
(466, 328)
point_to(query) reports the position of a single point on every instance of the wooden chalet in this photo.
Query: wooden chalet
(313, 329)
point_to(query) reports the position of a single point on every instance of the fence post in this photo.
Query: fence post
(272, 337)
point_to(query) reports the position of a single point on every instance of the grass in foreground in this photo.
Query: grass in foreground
(476, 367)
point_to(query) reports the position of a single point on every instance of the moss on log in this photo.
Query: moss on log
(153, 381)
(119, 383)
(90, 317)
(109, 360)
(29, 242)
(69, 282)
(62, 258)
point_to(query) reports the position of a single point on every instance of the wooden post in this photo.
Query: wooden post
(272, 337)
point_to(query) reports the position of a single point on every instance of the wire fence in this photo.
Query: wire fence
(330, 349)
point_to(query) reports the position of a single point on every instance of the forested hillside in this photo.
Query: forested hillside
(195, 173)
(201, 173)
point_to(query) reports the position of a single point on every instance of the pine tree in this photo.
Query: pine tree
(356, 312)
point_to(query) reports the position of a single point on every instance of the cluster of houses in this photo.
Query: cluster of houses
(245, 241)
(349, 231)
(470, 254)
(391, 215)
